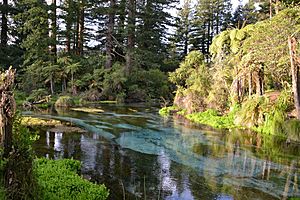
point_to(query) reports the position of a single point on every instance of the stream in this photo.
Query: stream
(138, 154)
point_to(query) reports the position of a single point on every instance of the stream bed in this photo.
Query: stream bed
(138, 154)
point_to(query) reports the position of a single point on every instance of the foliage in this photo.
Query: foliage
(276, 115)
(251, 112)
(37, 95)
(18, 166)
(64, 101)
(191, 62)
(192, 79)
(58, 179)
(144, 85)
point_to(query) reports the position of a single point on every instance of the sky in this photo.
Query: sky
(235, 3)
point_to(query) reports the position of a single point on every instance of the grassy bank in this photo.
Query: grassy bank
(273, 122)
(210, 117)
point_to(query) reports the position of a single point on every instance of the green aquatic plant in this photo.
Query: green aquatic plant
(58, 179)
(166, 111)
(212, 118)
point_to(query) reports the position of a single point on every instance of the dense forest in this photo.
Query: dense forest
(117, 50)
(208, 61)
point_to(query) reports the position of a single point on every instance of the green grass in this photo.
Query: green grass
(58, 180)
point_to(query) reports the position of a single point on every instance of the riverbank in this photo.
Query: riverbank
(28, 177)
(269, 125)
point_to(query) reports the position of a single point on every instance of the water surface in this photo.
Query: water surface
(139, 154)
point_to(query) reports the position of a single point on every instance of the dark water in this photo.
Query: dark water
(141, 155)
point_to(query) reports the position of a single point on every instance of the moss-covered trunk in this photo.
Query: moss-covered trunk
(7, 109)
(295, 74)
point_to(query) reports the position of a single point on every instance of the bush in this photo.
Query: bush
(64, 101)
(58, 179)
(144, 85)
(37, 95)
(91, 95)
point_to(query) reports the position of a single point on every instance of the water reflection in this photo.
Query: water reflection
(163, 159)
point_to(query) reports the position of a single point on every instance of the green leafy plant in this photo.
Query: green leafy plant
(58, 179)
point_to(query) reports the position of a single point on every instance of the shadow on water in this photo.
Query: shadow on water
(133, 149)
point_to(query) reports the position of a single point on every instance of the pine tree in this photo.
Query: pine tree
(109, 35)
(211, 17)
(4, 24)
(152, 23)
(130, 36)
(183, 22)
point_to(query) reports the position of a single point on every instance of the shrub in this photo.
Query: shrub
(37, 95)
(64, 101)
(58, 179)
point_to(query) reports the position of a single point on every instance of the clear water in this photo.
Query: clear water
(140, 155)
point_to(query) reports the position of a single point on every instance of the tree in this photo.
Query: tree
(184, 29)
(211, 17)
(151, 31)
(4, 24)
(80, 27)
(109, 36)
(53, 33)
(130, 36)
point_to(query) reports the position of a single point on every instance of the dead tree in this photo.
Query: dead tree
(7, 109)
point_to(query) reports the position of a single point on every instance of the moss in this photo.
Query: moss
(88, 110)
(32, 121)
(64, 101)
(67, 129)
(108, 102)
(166, 111)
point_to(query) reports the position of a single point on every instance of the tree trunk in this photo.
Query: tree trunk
(4, 26)
(250, 84)
(295, 74)
(64, 85)
(120, 33)
(52, 86)
(68, 28)
(53, 35)
(109, 36)
(74, 91)
(80, 28)
(130, 37)
(270, 8)
(260, 81)
(277, 7)
(7, 110)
